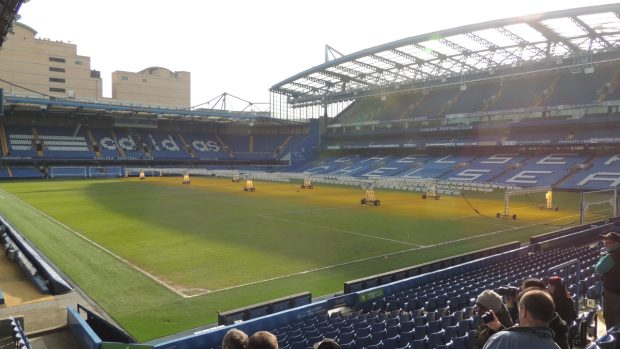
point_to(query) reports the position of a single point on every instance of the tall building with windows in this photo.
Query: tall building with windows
(31, 66)
(154, 85)
(36, 67)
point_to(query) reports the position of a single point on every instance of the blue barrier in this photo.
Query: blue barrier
(85, 336)
(57, 285)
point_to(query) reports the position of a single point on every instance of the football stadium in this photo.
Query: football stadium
(379, 196)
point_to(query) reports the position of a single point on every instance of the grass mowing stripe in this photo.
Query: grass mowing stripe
(121, 259)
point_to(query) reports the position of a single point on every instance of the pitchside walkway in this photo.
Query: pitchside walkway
(45, 316)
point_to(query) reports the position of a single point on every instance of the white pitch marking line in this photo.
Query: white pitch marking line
(135, 267)
(383, 256)
(311, 210)
(339, 230)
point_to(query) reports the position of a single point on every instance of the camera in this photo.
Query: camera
(508, 291)
(487, 317)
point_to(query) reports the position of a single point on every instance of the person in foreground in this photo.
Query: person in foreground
(609, 267)
(235, 339)
(263, 340)
(536, 310)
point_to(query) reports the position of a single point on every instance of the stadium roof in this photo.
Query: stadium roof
(8, 16)
(487, 47)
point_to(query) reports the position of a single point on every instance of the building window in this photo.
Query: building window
(57, 80)
(56, 89)
(78, 62)
(58, 70)
(56, 59)
(124, 77)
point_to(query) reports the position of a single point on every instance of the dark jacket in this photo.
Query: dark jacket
(560, 330)
(611, 279)
(483, 332)
(565, 307)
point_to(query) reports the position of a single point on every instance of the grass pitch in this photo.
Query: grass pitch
(161, 257)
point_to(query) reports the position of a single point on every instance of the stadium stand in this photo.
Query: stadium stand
(12, 333)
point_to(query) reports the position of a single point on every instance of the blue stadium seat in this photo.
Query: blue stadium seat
(459, 342)
(435, 338)
(434, 326)
(405, 338)
(390, 342)
(418, 344)
(420, 332)
(362, 342)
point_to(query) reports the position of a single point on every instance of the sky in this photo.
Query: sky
(243, 47)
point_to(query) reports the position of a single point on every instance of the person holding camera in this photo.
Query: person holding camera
(536, 310)
(489, 306)
(509, 293)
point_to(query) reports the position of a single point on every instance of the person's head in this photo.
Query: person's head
(235, 339)
(262, 340)
(488, 300)
(611, 240)
(557, 288)
(327, 343)
(536, 308)
(532, 282)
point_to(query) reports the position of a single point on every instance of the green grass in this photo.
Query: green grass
(245, 248)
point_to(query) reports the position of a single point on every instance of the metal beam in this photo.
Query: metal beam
(442, 57)
(414, 60)
(377, 69)
(467, 52)
(591, 32)
(491, 46)
(343, 78)
(393, 64)
(362, 76)
(552, 36)
(522, 42)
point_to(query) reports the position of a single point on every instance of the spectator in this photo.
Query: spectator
(564, 303)
(490, 301)
(235, 339)
(558, 325)
(262, 340)
(609, 267)
(327, 343)
(536, 310)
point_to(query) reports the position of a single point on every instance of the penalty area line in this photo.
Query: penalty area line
(100, 247)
